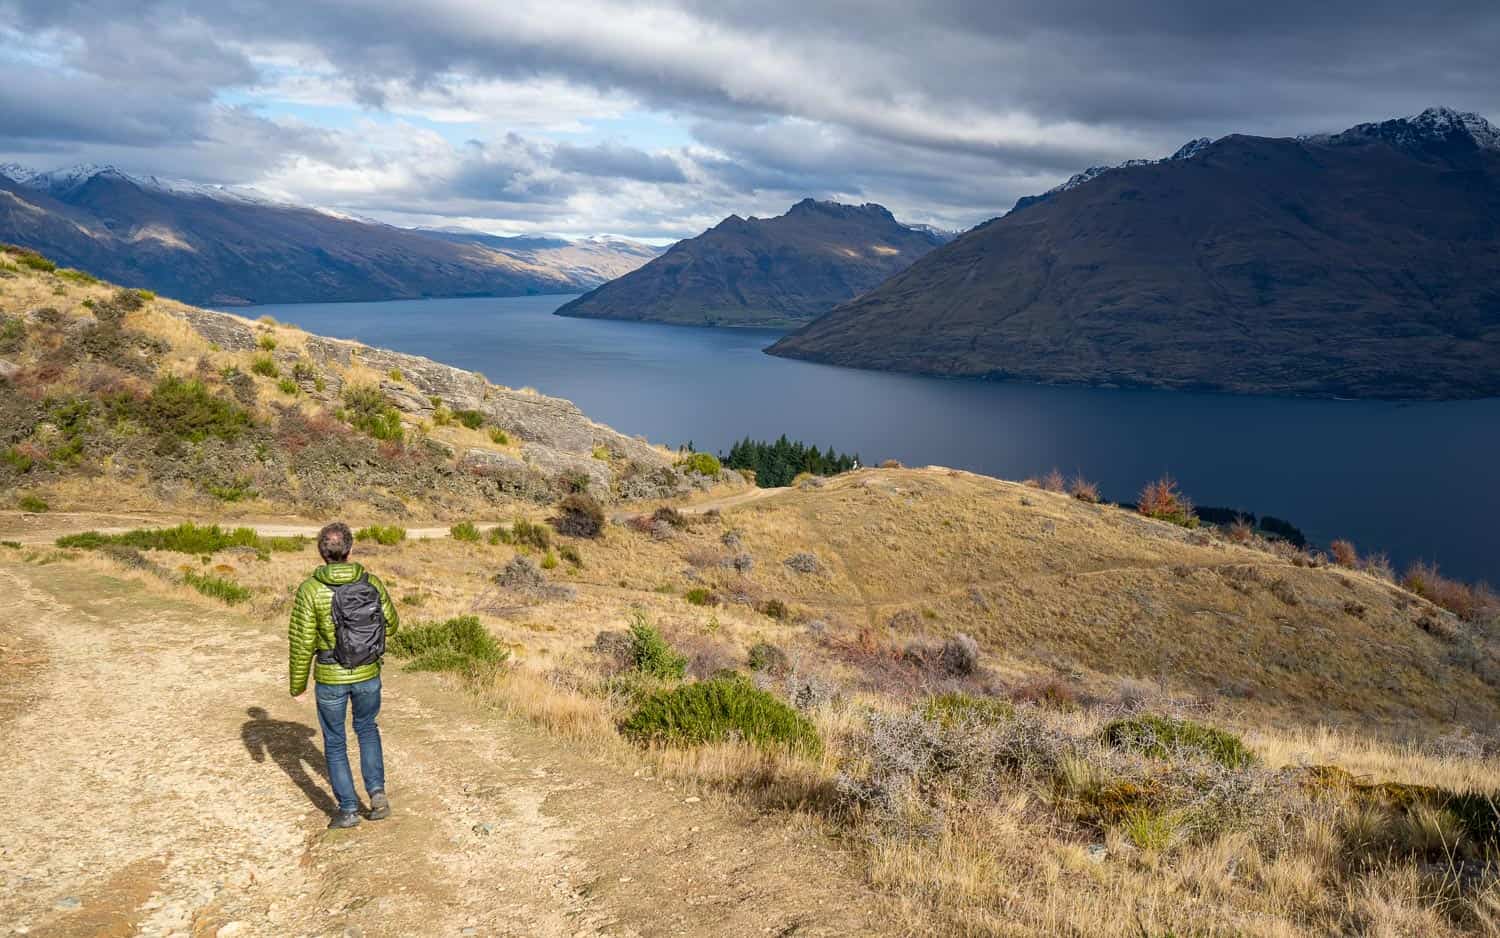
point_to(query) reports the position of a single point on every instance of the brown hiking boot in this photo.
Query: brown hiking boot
(380, 806)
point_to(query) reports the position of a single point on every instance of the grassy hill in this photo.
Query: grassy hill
(1023, 712)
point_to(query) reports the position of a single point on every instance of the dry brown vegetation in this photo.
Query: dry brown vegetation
(965, 650)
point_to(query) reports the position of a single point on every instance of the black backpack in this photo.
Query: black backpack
(358, 624)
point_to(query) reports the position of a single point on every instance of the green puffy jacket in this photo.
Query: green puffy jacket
(311, 630)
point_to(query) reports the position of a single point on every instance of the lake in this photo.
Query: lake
(1417, 480)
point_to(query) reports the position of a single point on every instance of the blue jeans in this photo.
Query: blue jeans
(333, 700)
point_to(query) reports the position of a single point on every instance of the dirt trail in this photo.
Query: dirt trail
(142, 796)
(42, 529)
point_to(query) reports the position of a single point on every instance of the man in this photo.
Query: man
(340, 618)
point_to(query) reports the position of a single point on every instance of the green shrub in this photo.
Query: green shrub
(1147, 830)
(653, 655)
(146, 295)
(367, 409)
(265, 366)
(12, 335)
(303, 370)
(31, 503)
(549, 562)
(472, 419)
(465, 531)
(35, 261)
(184, 409)
(237, 490)
(775, 609)
(386, 534)
(396, 375)
(769, 658)
(461, 644)
(1162, 737)
(1162, 500)
(601, 453)
(701, 596)
(186, 538)
(76, 276)
(580, 515)
(570, 553)
(266, 343)
(17, 459)
(499, 437)
(955, 708)
(706, 464)
(717, 710)
(524, 533)
(217, 587)
(288, 387)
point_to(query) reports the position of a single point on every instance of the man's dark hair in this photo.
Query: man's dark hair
(334, 542)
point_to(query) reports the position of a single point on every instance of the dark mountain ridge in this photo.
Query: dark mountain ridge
(216, 245)
(1358, 264)
(764, 271)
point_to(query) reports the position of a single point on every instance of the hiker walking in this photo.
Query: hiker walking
(340, 619)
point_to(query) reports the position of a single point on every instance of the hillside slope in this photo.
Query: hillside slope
(763, 271)
(1359, 264)
(112, 397)
(205, 245)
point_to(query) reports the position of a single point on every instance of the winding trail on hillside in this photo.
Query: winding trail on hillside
(159, 781)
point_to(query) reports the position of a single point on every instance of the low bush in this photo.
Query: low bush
(775, 609)
(235, 490)
(570, 553)
(549, 561)
(366, 408)
(803, 562)
(217, 587)
(472, 419)
(34, 261)
(1162, 737)
(386, 534)
(1084, 490)
(1162, 500)
(1470, 603)
(288, 387)
(465, 531)
(76, 276)
(768, 658)
(499, 437)
(652, 653)
(182, 409)
(960, 656)
(718, 710)
(265, 366)
(957, 708)
(1344, 554)
(31, 503)
(186, 538)
(701, 596)
(266, 343)
(705, 464)
(579, 515)
(460, 644)
(523, 533)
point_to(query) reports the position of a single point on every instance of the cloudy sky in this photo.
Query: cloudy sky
(655, 119)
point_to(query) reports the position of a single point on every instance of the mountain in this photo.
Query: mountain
(1356, 264)
(764, 271)
(588, 262)
(224, 245)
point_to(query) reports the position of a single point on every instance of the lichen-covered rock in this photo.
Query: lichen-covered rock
(230, 333)
(566, 467)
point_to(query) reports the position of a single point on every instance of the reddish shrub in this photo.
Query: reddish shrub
(1240, 530)
(1470, 603)
(1084, 490)
(1054, 482)
(1344, 554)
(1047, 692)
(1162, 500)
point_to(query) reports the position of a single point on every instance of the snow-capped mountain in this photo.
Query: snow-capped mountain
(1436, 125)
(59, 181)
(1185, 152)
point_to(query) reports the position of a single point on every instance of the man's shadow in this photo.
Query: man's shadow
(290, 746)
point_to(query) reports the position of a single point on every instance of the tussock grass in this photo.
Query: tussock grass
(724, 708)
(385, 534)
(185, 538)
(461, 644)
(217, 587)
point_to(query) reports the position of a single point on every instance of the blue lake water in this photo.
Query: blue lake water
(1416, 480)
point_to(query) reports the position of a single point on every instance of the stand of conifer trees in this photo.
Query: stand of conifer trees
(778, 463)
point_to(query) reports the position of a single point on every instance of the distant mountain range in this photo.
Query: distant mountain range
(765, 271)
(224, 246)
(1364, 263)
